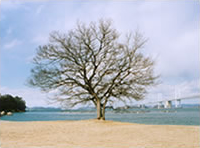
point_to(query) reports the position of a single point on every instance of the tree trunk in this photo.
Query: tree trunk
(103, 108)
(100, 111)
(98, 105)
(103, 112)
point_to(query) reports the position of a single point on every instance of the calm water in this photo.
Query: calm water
(185, 116)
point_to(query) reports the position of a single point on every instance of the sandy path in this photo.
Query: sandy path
(96, 134)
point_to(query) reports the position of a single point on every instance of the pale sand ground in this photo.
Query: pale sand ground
(96, 134)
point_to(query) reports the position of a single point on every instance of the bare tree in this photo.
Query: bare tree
(91, 64)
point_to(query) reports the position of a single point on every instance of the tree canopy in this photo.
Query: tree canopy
(91, 63)
(14, 104)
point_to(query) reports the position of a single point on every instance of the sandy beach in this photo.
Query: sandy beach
(96, 134)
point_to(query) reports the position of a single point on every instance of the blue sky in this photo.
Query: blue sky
(172, 28)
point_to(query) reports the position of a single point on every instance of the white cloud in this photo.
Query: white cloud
(13, 4)
(180, 56)
(39, 9)
(172, 29)
(13, 43)
(165, 91)
(32, 97)
(40, 39)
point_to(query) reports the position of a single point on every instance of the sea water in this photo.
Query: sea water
(181, 116)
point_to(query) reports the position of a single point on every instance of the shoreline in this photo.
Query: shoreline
(94, 119)
(99, 121)
(95, 134)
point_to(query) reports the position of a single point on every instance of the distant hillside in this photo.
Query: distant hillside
(43, 109)
(83, 109)
(190, 105)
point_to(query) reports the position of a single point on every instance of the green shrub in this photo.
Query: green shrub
(9, 103)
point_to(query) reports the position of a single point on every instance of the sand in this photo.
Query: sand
(96, 134)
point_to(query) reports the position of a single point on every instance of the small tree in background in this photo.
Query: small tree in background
(91, 64)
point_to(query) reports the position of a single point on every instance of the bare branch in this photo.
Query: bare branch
(90, 64)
